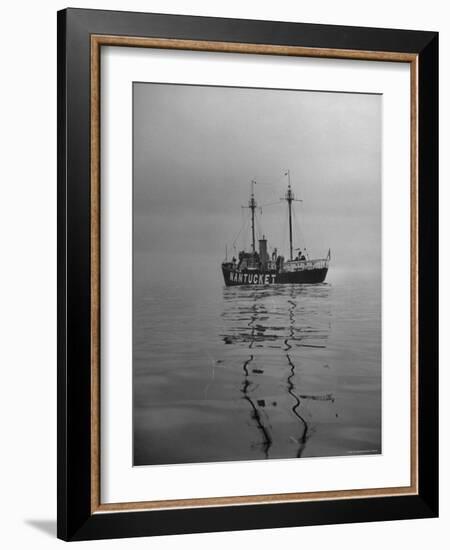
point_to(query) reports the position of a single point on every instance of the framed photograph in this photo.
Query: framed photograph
(247, 255)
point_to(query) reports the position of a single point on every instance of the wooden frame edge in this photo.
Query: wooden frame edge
(248, 48)
(261, 49)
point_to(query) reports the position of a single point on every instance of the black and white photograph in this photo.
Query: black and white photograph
(257, 266)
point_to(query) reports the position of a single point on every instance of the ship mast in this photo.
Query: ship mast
(252, 205)
(289, 197)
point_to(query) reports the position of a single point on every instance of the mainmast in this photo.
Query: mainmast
(289, 197)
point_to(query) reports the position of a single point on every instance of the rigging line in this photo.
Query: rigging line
(303, 235)
(258, 228)
(243, 226)
(245, 235)
(283, 234)
(271, 203)
(298, 228)
(272, 182)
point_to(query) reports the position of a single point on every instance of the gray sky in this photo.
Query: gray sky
(196, 148)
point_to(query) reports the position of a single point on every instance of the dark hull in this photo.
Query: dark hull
(263, 278)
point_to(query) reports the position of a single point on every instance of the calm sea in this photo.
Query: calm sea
(249, 373)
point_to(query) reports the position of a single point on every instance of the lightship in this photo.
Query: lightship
(258, 267)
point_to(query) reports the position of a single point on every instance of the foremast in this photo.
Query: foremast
(252, 205)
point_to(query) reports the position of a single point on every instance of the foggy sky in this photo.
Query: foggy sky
(196, 148)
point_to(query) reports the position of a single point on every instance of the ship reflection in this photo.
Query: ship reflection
(256, 408)
(285, 327)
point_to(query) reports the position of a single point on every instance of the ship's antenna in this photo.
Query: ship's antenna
(289, 197)
(252, 205)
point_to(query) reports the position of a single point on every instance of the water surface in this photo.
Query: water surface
(247, 373)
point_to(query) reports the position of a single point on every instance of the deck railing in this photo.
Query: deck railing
(289, 265)
(304, 265)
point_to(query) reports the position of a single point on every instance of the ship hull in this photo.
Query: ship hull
(234, 277)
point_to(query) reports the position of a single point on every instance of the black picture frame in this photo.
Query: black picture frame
(75, 518)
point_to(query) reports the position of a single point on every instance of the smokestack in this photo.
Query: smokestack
(263, 251)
